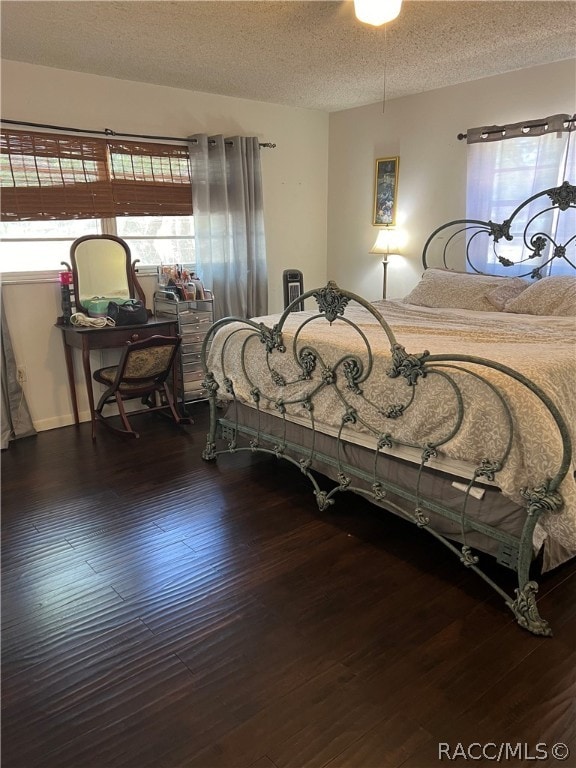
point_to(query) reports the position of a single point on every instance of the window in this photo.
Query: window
(506, 166)
(41, 246)
(58, 187)
(158, 239)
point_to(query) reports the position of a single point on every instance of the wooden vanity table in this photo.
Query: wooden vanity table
(102, 267)
(87, 339)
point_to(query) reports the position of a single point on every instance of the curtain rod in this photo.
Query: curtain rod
(109, 132)
(501, 128)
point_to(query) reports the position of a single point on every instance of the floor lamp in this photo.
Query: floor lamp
(386, 245)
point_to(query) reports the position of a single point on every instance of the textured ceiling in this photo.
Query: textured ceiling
(305, 54)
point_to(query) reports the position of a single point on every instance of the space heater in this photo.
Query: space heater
(293, 281)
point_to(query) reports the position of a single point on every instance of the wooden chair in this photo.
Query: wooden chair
(142, 373)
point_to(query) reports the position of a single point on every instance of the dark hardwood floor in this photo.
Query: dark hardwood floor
(159, 611)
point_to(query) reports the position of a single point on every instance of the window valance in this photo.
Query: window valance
(539, 127)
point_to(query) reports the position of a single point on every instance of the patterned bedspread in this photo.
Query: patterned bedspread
(543, 349)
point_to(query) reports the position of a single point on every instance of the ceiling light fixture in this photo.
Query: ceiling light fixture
(377, 12)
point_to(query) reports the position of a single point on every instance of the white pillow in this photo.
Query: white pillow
(548, 296)
(443, 288)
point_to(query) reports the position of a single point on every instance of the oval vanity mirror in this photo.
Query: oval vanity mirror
(102, 268)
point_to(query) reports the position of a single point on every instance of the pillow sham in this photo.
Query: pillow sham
(554, 296)
(511, 289)
(442, 288)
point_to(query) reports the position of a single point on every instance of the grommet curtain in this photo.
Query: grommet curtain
(229, 222)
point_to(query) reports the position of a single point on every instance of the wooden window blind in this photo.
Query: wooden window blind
(56, 176)
(49, 176)
(150, 179)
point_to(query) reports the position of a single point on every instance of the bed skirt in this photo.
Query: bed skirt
(492, 510)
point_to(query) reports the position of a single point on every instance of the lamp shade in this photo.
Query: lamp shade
(377, 12)
(388, 241)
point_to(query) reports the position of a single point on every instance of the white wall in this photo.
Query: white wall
(422, 131)
(294, 178)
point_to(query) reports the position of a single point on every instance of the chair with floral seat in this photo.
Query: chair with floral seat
(143, 373)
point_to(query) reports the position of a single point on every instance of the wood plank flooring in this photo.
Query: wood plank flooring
(164, 612)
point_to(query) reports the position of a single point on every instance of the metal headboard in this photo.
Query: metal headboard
(544, 226)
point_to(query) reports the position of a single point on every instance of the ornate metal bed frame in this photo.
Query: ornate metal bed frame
(348, 377)
(523, 226)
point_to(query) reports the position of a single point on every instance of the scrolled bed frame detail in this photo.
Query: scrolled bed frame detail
(347, 379)
(537, 242)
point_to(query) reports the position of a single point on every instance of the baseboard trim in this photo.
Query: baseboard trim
(65, 420)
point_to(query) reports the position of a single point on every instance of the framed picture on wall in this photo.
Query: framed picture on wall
(385, 191)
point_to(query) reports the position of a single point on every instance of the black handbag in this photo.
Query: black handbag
(130, 312)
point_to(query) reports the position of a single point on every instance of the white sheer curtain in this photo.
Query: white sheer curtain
(229, 223)
(505, 166)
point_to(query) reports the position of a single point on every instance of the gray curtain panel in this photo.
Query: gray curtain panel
(14, 415)
(229, 223)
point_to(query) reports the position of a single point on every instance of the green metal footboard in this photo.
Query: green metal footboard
(347, 378)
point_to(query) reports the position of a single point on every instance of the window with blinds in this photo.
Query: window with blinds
(57, 187)
(59, 177)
